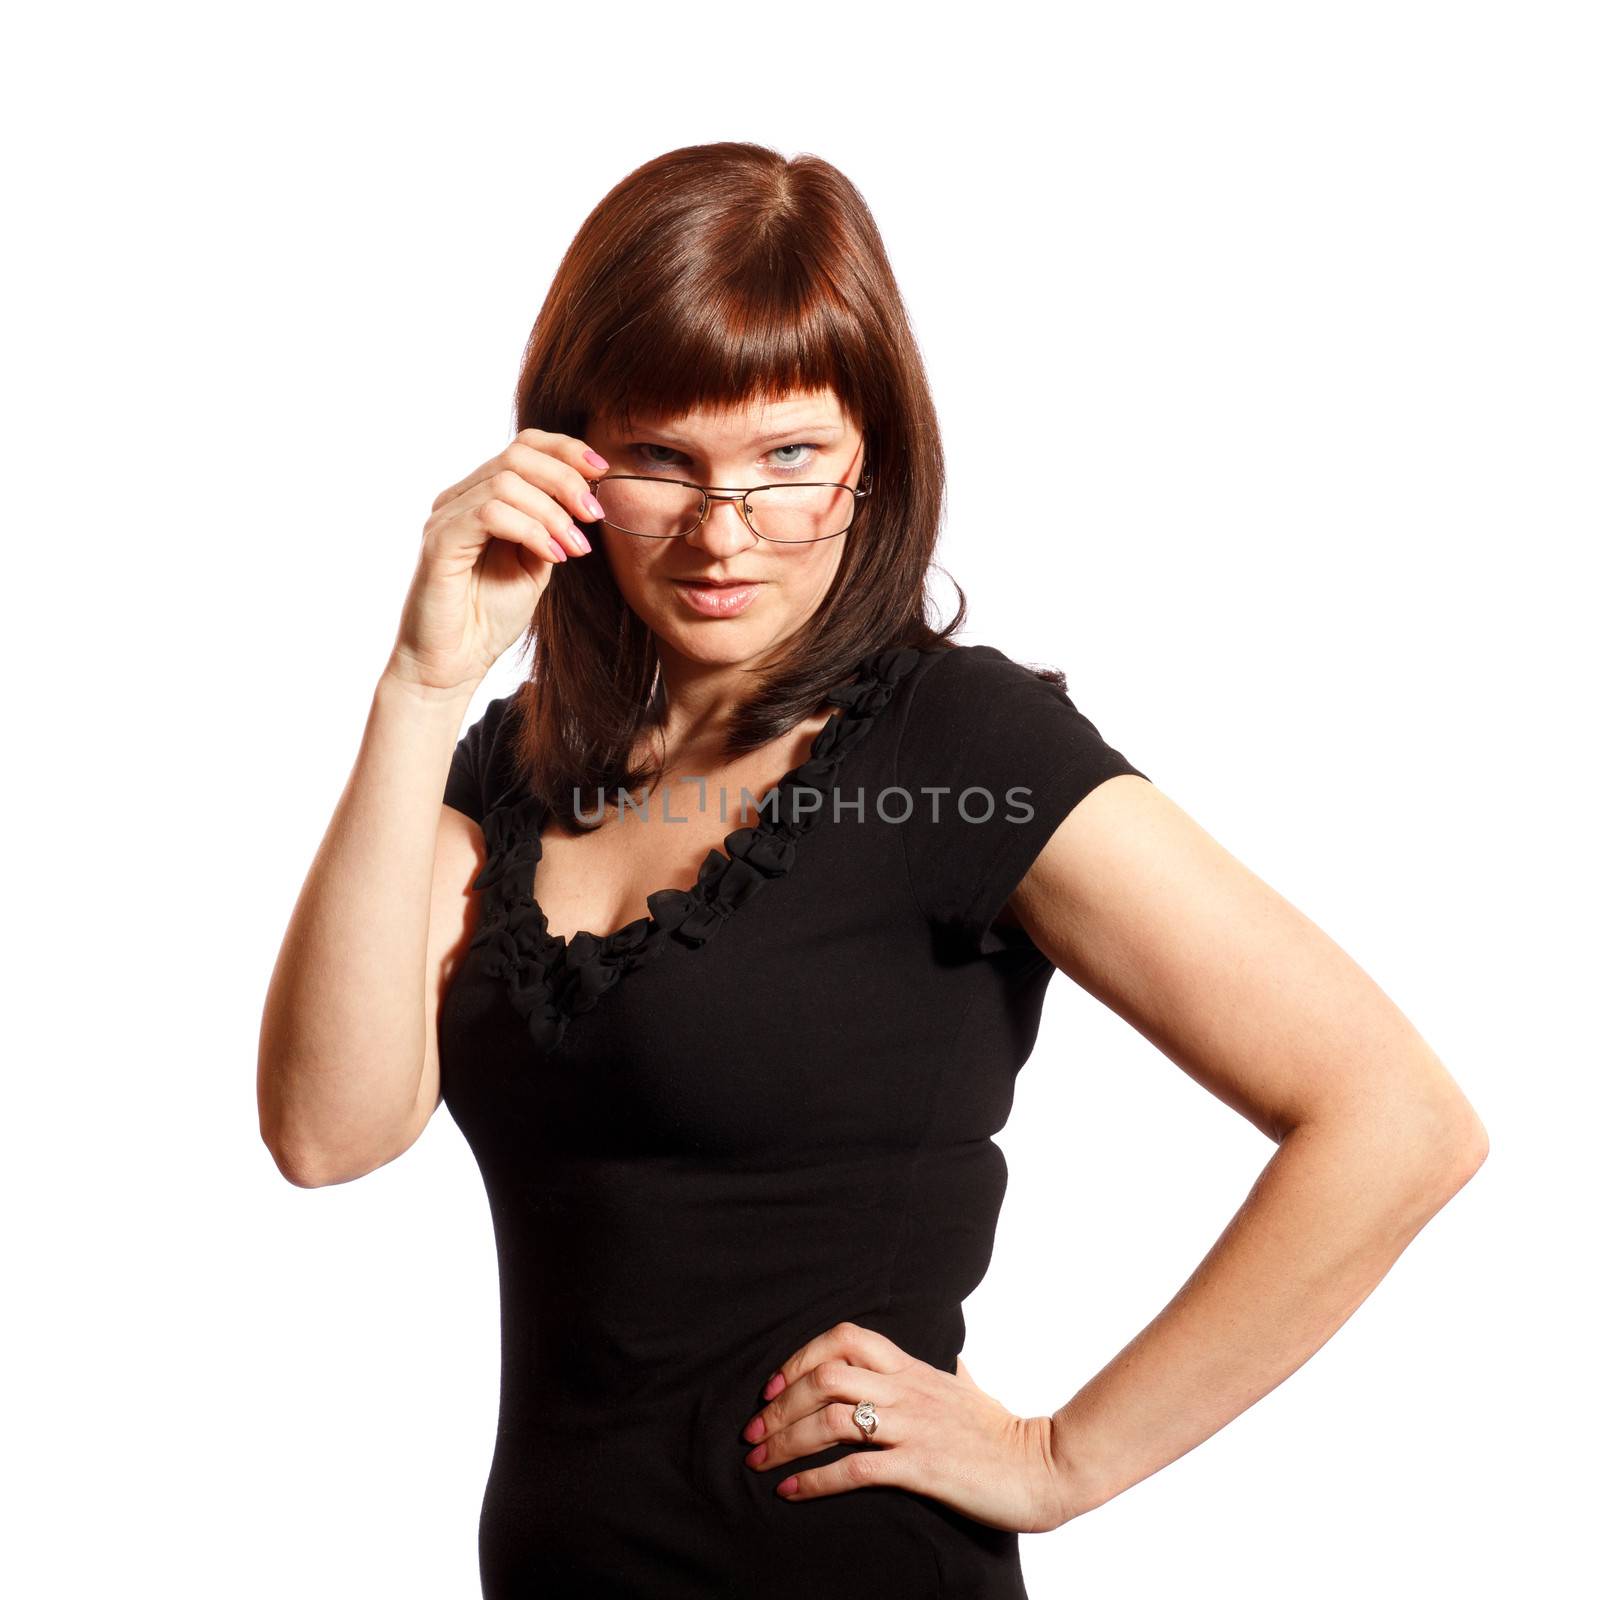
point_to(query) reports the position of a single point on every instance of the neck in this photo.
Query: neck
(698, 698)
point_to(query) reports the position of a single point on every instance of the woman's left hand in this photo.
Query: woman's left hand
(938, 1433)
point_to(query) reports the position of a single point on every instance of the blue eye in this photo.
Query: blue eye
(780, 467)
(796, 466)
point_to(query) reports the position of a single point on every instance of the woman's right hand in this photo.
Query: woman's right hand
(488, 549)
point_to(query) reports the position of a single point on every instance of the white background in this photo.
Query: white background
(1264, 339)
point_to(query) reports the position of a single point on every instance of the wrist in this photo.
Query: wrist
(399, 681)
(1076, 1487)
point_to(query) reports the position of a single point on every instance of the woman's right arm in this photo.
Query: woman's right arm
(348, 1068)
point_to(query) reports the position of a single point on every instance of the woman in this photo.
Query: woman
(733, 931)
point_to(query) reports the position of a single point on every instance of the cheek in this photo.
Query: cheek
(628, 559)
(815, 571)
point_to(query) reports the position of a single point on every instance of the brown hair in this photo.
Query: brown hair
(717, 275)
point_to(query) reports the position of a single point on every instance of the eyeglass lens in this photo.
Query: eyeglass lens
(786, 513)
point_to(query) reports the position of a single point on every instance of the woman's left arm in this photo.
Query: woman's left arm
(1149, 913)
(1143, 908)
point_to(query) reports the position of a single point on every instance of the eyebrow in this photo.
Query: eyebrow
(830, 429)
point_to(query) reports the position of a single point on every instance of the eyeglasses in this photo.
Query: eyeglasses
(781, 513)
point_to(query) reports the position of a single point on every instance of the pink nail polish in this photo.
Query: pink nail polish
(596, 461)
(788, 1486)
(754, 1429)
(756, 1456)
(775, 1386)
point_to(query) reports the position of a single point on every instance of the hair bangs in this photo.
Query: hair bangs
(726, 335)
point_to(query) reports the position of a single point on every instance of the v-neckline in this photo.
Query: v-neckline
(552, 978)
(717, 858)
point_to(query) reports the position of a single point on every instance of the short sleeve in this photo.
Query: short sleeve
(992, 758)
(477, 768)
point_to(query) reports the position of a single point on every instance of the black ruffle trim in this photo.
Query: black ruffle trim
(551, 979)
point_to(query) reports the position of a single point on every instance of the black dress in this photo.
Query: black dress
(760, 1110)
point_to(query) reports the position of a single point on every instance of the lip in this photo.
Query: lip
(717, 597)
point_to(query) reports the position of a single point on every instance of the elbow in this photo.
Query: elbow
(1458, 1144)
(296, 1167)
(291, 1159)
(308, 1168)
(316, 1151)
(1471, 1147)
(301, 1160)
(300, 1163)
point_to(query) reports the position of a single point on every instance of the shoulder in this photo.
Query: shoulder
(967, 670)
(997, 755)
(499, 714)
(483, 769)
(497, 722)
(980, 717)
(963, 690)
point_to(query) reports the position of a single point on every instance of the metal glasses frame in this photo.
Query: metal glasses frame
(742, 496)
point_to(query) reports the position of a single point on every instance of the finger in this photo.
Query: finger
(830, 1424)
(575, 452)
(564, 474)
(505, 521)
(863, 1347)
(555, 466)
(831, 1379)
(858, 1470)
(514, 490)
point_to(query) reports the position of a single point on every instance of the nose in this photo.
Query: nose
(724, 530)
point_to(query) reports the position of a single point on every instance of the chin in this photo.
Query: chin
(718, 644)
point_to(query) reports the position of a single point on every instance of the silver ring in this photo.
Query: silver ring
(865, 1418)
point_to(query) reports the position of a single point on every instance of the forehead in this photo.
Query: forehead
(739, 424)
